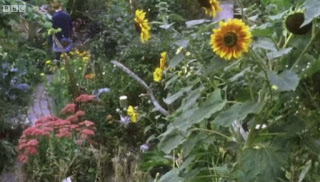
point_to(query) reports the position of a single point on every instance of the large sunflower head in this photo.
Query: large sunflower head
(163, 60)
(157, 75)
(231, 39)
(211, 7)
(294, 20)
(142, 26)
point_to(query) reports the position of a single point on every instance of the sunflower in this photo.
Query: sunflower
(293, 22)
(142, 26)
(132, 114)
(157, 74)
(211, 7)
(163, 60)
(231, 39)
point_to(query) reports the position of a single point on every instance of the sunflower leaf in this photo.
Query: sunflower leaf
(275, 54)
(170, 99)
(182, 43)
(286, 81)
(312, 10)
(171, 176)
(195, 22)
(260, 163)
(176, 60)
(236, 112)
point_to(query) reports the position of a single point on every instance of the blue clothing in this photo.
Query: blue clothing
(62, 20)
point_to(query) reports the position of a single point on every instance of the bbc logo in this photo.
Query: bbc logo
(13, 8)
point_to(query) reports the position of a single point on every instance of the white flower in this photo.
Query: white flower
(67, 180)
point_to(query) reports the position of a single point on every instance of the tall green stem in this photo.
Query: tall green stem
(305, 49)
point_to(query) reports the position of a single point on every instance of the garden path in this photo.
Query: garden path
(41, 103)
(39, 107)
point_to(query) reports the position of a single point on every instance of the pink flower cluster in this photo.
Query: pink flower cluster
(85, 98)
(50, 126)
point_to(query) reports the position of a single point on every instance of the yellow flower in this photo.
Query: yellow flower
(211, 7)
(179, 50)
(163, 60)
(231, 39)
(142, 25)
(71, 53)
(85, 59)
(180, 73)
(42, 74)
(132, 114)
(274, 87)
(157, 74)
(48, 61)
(84, 53)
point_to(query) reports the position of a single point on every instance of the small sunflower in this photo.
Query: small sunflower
(132, 114)
(163, 60)
(294, 20)
(157, 74)
(142, 25)
(211, 7)
(231, 39)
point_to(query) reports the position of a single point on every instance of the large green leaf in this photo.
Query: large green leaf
(182, 43)
(170, 99)
(212, 105)
(176, 60)
(236, 112)
(276, 54)
(312, 10)
(286, 81)
(266, 44)
(171, 139)
(196, 22)
(259, 164)
(171, 176)
(177, 132)
(190, 100)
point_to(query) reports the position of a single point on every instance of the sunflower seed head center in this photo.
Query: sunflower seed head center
(230, 39)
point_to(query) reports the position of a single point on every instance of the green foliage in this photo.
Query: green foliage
(8, 154)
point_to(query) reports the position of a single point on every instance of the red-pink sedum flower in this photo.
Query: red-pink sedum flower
(84, 98)
(69, 109)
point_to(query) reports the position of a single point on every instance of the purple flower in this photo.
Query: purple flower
(125, 120)
(144, 147)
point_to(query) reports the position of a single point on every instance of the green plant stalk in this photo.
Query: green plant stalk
(287, 41)
(305, 49)
(74, 88)
(241, 9)
(253, 132)
(214, 132)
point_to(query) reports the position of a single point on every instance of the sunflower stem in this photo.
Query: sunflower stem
(287, 41)
(264, 69)
(305, 49)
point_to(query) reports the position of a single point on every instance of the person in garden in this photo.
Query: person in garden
(62, 20)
